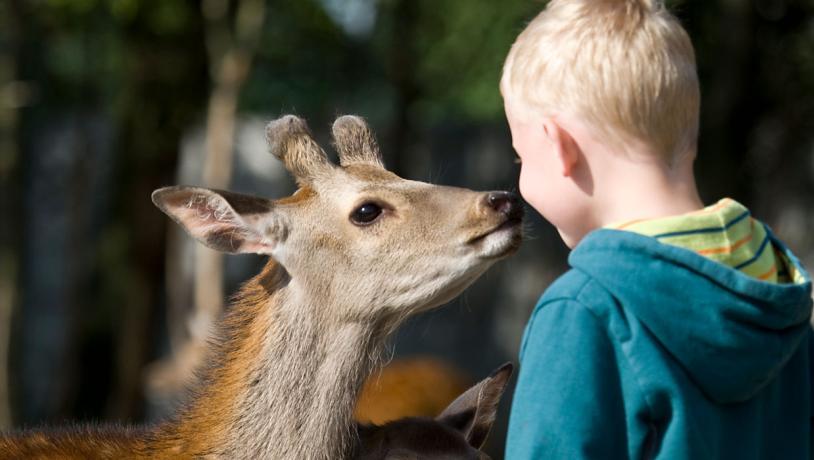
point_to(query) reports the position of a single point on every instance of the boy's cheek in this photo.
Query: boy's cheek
(551, 197)
(531, 189)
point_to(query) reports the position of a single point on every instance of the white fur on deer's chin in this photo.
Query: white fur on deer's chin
(503, 241)
(492, 247)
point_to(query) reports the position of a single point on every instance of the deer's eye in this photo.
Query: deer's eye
(366, 214)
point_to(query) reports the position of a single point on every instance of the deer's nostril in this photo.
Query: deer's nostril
(497, 199)
(505, 203)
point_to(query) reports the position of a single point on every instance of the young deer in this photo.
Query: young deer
(354, 252)
(457, 434)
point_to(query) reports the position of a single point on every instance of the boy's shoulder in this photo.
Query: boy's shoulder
(578, 288)
(573, 301)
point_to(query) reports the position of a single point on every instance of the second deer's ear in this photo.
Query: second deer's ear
(224, 221)
(473, 412)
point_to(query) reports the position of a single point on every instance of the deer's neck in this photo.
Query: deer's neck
(285, 383)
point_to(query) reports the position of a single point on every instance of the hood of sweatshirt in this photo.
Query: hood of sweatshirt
(731, 333)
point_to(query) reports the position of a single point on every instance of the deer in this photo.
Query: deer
(458, 433)
(353, 252)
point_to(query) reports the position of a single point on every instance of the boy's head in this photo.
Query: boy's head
(618, 75)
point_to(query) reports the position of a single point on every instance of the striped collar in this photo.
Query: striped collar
(724, 232)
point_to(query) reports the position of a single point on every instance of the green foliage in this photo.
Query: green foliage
(299, 47)
(455, 50)
(460, 48)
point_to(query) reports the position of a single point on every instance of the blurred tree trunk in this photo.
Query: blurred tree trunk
(12, 95)
(231, 48)
(230, 55)
(44, 368)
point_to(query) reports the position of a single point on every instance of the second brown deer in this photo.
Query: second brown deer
(354, 252)
(458, 433)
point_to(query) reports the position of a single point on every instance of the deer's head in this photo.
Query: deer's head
(355, 235)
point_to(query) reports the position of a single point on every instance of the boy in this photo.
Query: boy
(681, 332)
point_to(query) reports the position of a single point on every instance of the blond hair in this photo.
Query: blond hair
(627, 67)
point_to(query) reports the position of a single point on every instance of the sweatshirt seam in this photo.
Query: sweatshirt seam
(542, 304)
(611, 337)
(574, 296)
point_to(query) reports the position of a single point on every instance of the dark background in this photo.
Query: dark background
(102, 101)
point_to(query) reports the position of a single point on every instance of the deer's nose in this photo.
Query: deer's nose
(505, 203)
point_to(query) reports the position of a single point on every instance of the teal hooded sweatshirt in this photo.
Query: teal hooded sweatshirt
(645, 350)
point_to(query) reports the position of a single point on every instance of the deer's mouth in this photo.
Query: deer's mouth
(511, 227)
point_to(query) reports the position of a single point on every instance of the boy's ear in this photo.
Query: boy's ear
(563, 145)
(224, 221)
(473, 412)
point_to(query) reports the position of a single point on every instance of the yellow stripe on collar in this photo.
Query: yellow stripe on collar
(724, 232)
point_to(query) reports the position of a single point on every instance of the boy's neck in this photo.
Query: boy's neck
(638, 190)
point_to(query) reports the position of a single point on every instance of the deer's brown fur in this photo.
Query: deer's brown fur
(74, 443)
(199, 429)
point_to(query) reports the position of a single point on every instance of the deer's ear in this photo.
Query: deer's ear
(473, 412)
(224, 221)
